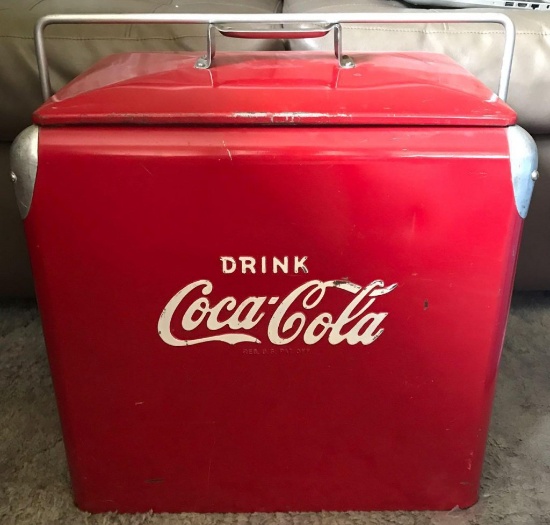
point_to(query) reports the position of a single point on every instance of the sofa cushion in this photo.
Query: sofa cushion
(478, 47)
(73, 48)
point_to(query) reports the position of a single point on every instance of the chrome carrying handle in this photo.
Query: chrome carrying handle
(325, 22)
(322, 30)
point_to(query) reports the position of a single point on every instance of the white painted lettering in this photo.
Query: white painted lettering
(229, 265)
(282, 265)
(248, 263)
(299, 264)
(289, 320)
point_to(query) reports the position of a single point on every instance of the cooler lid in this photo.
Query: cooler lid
(276, 88)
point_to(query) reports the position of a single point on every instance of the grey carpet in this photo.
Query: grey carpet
(34, 486)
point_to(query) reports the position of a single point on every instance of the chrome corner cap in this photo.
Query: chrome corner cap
(523, 164)
(24, 163)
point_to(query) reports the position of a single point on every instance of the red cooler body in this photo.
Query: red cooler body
(274, 284)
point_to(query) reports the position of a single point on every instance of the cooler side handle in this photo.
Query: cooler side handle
(328, 21)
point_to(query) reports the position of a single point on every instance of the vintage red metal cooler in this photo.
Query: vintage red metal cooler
(274, 281)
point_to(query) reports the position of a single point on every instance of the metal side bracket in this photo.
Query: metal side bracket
(523, 164)
(24, 163)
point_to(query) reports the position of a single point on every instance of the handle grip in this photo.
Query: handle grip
(325, 22)
(206, 61)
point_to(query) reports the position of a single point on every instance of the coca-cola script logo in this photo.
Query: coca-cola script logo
(292, 317)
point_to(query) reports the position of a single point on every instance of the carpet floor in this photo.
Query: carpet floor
(35, 489)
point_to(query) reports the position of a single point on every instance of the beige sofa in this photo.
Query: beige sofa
(73, 48)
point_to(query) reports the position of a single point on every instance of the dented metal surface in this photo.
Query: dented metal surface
(286, 89)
